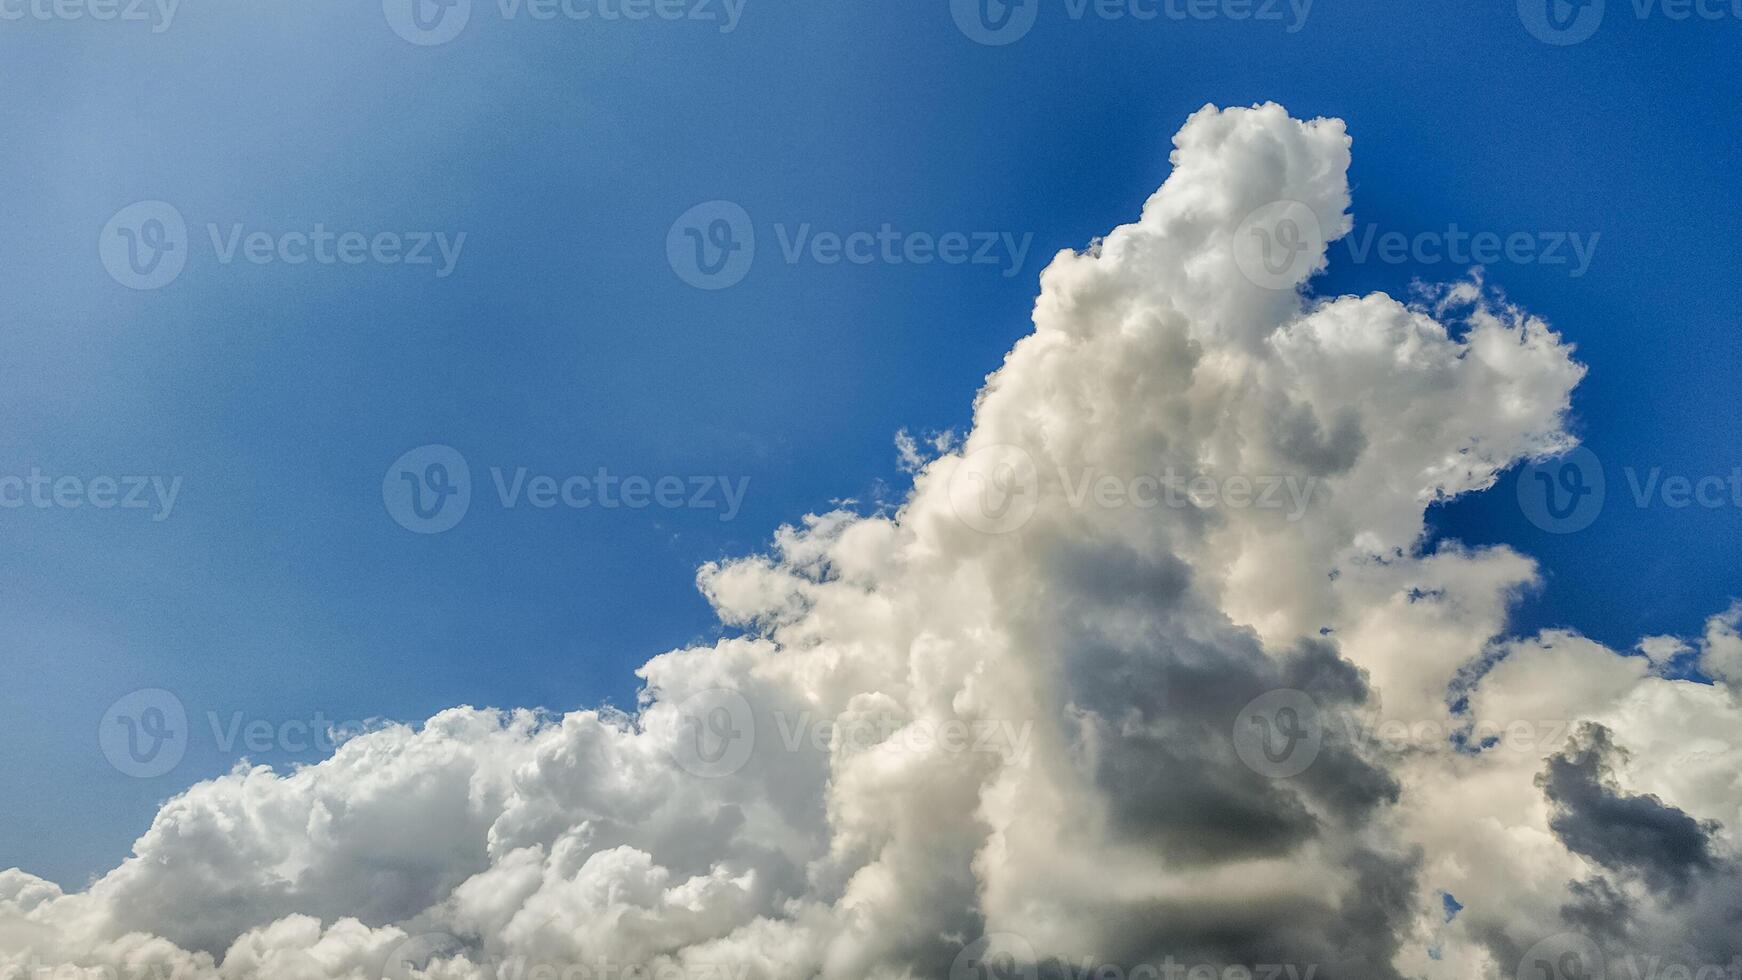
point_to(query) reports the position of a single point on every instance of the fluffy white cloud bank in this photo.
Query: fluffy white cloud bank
(1017, 708)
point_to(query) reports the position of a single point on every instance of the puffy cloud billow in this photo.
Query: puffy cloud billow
(1054, 715)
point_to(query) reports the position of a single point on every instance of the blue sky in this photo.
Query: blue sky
(278, 588)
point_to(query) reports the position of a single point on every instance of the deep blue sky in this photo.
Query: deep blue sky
(564, 341)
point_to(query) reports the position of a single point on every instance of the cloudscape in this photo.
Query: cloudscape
(1158, 668)
(826, 490)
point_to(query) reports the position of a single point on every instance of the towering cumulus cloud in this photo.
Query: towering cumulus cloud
(1150, 671)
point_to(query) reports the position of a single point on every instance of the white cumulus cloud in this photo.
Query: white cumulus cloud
(1021, 705)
